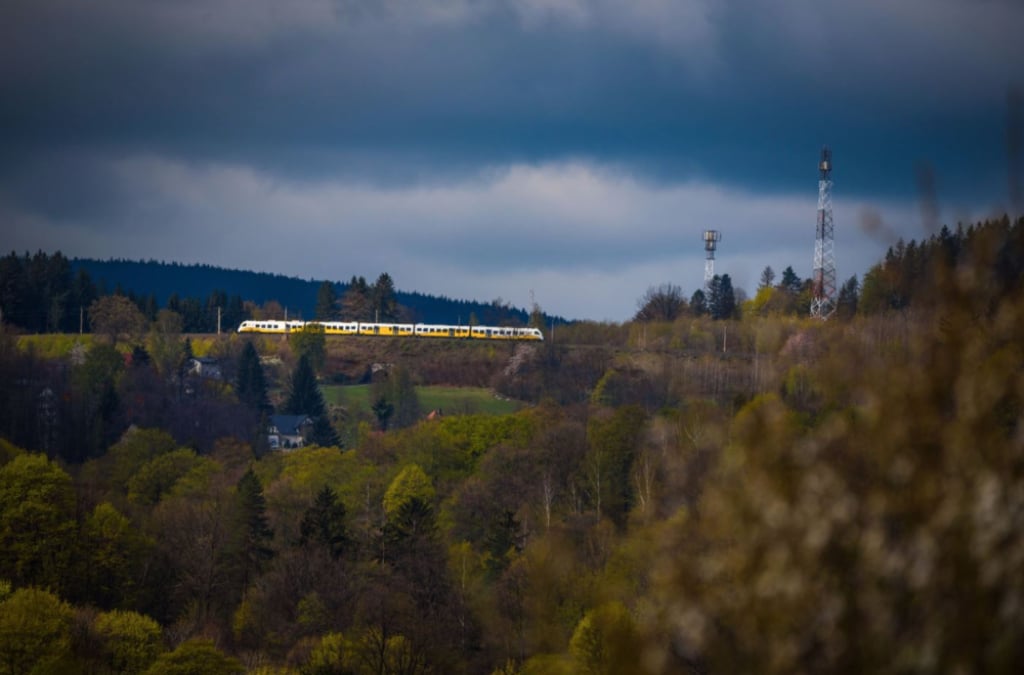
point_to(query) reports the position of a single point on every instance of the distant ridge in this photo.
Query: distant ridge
(162, 280)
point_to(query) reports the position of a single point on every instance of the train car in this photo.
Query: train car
(387, 329)
(377, 329)
(270, 326)
(340, 327)
(441, 331)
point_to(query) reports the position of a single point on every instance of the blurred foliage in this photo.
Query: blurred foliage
(869, 520)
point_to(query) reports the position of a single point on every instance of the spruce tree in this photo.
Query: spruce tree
(790, 281)
(846, 305)
(722, 298)
(304, 397)
(698, 303)
(251, 385)
(323, 523)
(326, 302)
(323, 433)
(382, 296)
(252, 535)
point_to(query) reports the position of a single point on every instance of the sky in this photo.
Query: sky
(563, 152)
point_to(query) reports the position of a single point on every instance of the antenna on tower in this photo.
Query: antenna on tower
(823, 279)
(711, 239)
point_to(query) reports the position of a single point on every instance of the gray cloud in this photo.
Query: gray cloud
(587, 239)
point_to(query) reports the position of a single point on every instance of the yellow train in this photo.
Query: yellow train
(423, 330)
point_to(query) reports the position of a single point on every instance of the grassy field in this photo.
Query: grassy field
(451, 400)
(59, 345)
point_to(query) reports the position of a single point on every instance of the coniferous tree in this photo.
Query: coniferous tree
(323, 523)
(304, 397)
(83, 293)
(722, 298)
(251, 385)
(790, 282)
(699, 303)
(326, 302)
(253, 534)
(384, 304)
(846, 304)
(323, 433)
(356, 303)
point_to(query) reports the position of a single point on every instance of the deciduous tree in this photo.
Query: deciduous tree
(195, 656)
(35, 633)
(112, 552)
(311, 343)
(37, 522)
(115, 316)
(131, 641)
(662, 303)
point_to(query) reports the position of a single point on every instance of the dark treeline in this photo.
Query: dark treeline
(297, 296)
(43, 293)
(916, 274)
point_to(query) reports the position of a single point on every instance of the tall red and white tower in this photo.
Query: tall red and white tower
(823, 280)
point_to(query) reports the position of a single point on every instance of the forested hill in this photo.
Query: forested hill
(298, 296)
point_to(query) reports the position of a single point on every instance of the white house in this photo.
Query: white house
(288, 431)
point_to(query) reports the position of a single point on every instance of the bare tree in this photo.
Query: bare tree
(662, 303)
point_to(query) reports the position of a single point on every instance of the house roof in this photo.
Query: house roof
(289, 425)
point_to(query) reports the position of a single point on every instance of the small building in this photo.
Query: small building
(288, 431)
(204, 366)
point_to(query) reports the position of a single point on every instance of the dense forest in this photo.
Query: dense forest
(43, 293)
(166, 280)
(721, 485)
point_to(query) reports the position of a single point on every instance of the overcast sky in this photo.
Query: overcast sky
(572, 149)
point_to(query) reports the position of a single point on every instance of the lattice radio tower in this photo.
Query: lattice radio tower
(711, 239)
(823, 300)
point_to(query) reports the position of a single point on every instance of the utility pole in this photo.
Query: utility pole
(823, 279)
(218, 320)
(81, 320)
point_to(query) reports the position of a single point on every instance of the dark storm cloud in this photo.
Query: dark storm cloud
(581, 144)
(733, 95)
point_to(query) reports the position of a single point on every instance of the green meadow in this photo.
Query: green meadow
(450, 400)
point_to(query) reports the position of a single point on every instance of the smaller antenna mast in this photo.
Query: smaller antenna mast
(711, 239)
